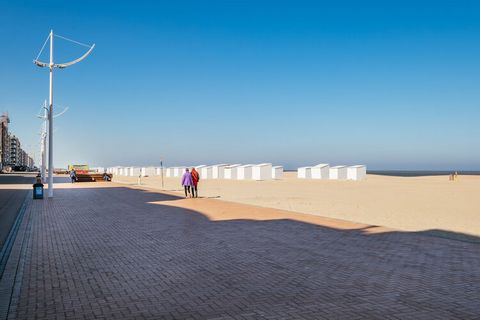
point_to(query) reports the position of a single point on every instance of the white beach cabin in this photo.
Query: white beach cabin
(231, 171)
(304, 172)
(277, 172)
(135, 172)
(206, 172)
(218, 171)
(199, 169)
(169, 172)
(358, 172)
(321, 171)
(244, 172)
(178, 171)
(148, 171)
(175, 171)
(129, 171)
(338, 173)
(262, 171)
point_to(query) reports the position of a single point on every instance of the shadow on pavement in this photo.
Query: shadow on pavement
(11, 199)
(126, 248)
(16, 178)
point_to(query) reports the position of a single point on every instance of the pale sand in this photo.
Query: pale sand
(405, 203)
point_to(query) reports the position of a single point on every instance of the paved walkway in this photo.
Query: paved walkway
(120, 253)
(13, 189)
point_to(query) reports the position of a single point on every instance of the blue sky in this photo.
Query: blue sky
(390, 84)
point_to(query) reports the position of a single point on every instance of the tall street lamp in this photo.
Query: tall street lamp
(51, 66)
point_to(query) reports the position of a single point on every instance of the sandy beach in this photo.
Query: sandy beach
(404, 203)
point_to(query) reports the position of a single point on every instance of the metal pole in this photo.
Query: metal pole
(161, 169)
(50, 123)
(44, 143)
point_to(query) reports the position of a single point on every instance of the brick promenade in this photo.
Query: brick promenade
(103, 251)
(13, 189)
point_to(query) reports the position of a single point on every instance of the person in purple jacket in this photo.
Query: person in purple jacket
(187, 182)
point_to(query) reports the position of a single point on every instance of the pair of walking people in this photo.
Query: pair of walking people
(190, 183)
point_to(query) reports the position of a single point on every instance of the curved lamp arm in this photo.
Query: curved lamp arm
(59, 114)
(40, 64)
(64, 65)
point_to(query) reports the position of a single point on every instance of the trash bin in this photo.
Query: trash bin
(38, 190)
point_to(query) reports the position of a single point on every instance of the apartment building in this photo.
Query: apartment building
(4, 141)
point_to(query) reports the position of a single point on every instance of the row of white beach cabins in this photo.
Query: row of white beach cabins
(263, 171)
(324, 171)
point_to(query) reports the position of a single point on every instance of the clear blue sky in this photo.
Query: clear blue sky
(391, 84)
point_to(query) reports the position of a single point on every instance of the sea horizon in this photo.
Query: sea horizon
(419, 173)
(416, 173)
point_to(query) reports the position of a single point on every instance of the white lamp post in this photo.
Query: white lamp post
(52, 65)
(43, 140)
(43, 143)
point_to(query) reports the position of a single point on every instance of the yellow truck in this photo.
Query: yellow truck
(79, 168)
(83, 174)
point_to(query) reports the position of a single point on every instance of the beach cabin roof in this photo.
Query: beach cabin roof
(338, 167)
(321, 165)
(358, 166)
(263, 164)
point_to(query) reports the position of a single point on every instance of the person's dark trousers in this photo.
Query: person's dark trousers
(73, 180)
(194, 191)
(187, 191)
